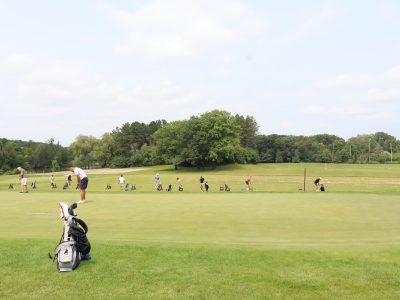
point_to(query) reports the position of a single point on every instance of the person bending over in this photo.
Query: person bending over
(82, 182)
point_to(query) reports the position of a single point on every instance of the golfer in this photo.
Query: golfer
(202, 185)
(249, 183)
(52, 182)
(179, 183)
(122, 182)
(23, 177)
(317, 183)
(82, 181)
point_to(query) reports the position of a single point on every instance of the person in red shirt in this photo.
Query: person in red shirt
(249, 183)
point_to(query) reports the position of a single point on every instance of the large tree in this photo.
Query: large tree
(249, 130)
(84, 150)
(104, 150)
(129, 140)
(210, 139)
(8, 155)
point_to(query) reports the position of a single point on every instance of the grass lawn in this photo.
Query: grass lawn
(269, 244)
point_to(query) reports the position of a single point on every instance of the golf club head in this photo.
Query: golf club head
(71, 209)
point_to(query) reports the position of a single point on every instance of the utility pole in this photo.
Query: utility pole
(391, 153)
(350, 152)
(369, 149)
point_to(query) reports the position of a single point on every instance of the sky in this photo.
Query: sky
(298, 67)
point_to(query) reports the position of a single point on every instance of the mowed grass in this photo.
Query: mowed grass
(276, 178)
(192, 245)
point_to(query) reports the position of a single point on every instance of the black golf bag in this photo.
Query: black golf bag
(74, 245)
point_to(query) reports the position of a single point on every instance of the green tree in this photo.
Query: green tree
(83, 149)
(129, 139)
(55, 166)
(248, 130)
(213, 139)
(361, 146)
(104, 150)
(296, 157)
(210, 139)
(278, 157)
(8, 155)
(149, 155)
(170, 142)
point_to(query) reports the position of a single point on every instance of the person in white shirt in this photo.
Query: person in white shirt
(24, 179)
(52, 182)
(122, 182)
(82, 181)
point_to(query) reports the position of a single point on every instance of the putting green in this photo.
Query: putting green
(273, 243)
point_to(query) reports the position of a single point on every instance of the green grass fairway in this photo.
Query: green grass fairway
(277, 178)
(266, 244)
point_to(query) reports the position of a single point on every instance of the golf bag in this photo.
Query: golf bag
(74, 245)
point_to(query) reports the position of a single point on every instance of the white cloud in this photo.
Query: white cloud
(353, 110)
(376, 88)
(312, 21)
(363, 97)
(224, 72)
(339, 109)
(287, 124)
(378, 95)
(57, 94)
(374, 117)
(51, 82)
(345, 80)
(59, 73)
(387, 77)
(184, 30)
(162, 96)
(389, 10)
(348, 111)
(14, 62)
(393, 74)
(313, 109)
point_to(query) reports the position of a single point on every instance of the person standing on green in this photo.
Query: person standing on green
(179, 183)
(82, 181)
(249, 183)
(23, 178)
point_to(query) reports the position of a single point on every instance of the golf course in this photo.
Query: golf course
(282, 240)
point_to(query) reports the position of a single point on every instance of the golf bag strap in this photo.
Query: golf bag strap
(83, 224)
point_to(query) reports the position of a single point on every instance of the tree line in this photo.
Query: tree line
(207, 140)
(33, 155)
